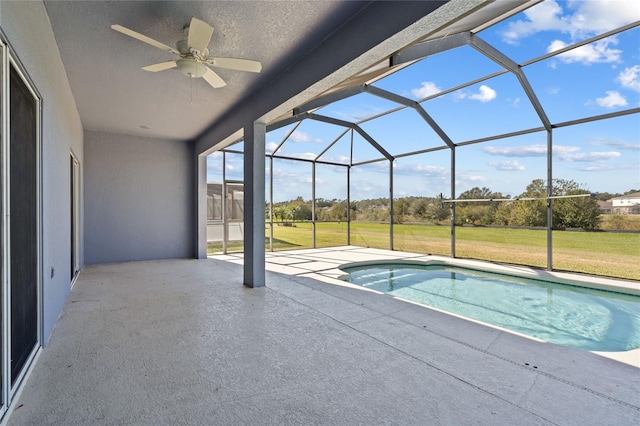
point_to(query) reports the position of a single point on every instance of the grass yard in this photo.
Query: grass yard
(599, 253)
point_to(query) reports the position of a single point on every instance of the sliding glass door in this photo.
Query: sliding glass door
(23, 221)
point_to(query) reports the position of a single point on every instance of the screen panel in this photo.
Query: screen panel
(23, 223)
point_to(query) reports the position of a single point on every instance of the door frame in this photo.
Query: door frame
(9, 60)
(75, 207)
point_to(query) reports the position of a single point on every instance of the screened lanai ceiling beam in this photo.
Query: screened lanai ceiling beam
(393, 97)
(355, 127)
(287, 136)
(506, 62)
(431, 47)
(332, 144)
(328, 99)
(282, 123)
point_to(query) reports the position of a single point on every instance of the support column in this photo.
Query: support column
(254, 203)
(271, 203)
(453, 205)
(390, 204)
(313, 204)
(549, 200)
(349, 205)
(201, 207)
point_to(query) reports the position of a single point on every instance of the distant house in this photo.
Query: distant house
(626, 204)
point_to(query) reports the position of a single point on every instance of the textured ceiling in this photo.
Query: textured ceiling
(113, 94)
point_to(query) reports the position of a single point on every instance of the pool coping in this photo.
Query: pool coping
(592, 282)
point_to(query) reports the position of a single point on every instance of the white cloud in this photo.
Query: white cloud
(517, 151)
(298, 136)
(561, 152)
(544, 16)
(515, 102)
(611, 100)
(596, 168)
(427, 88)
(590, 156)
(580, 20)
(422, 170)
(598, 16)
(509, 165)
(463, 178)
(484, 94)
(565, 151)
(270, 147)
(629, 78)
(597, 52)
(303, 155)
(629, 146)
(341, 159)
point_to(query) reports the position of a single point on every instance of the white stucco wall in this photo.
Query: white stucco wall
(139, 198)
(624, 201)
(26, 26)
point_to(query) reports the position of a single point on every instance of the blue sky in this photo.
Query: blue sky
(597, 78)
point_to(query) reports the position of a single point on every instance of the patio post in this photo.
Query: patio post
(201, 206)
(390, 204)
(254, 204)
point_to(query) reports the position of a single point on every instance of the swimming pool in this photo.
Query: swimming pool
(568, 315)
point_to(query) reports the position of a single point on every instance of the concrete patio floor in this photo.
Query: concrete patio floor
(184, 342)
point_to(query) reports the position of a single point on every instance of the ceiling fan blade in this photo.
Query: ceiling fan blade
(199, 35)
(236, 64)
(213, 79)
(161, 66)
(143, 38)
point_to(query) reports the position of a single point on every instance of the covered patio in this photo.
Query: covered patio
(183, 342)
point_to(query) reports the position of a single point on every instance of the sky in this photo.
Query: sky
(598, 78)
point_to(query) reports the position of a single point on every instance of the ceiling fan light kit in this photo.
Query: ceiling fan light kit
(191, 67)
(194, 59)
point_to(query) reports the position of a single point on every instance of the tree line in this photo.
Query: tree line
(574, 212)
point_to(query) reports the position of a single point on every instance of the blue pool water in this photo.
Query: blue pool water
(568, 315)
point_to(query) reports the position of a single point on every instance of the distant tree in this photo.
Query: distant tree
(502, 214)
(400, 209)
(476, 193)
(338, 210)
(420, 208)
(533, 212)
(279, 213)
(477, 212)
(437, 212)
(578, 212)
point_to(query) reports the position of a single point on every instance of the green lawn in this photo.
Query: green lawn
(599, 253)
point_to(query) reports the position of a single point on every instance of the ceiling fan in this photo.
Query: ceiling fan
(194, 56)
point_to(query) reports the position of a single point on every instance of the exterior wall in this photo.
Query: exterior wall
(28, 31)
(139, 198)
(625, 201)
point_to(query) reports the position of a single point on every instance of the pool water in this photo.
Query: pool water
(568, 315)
